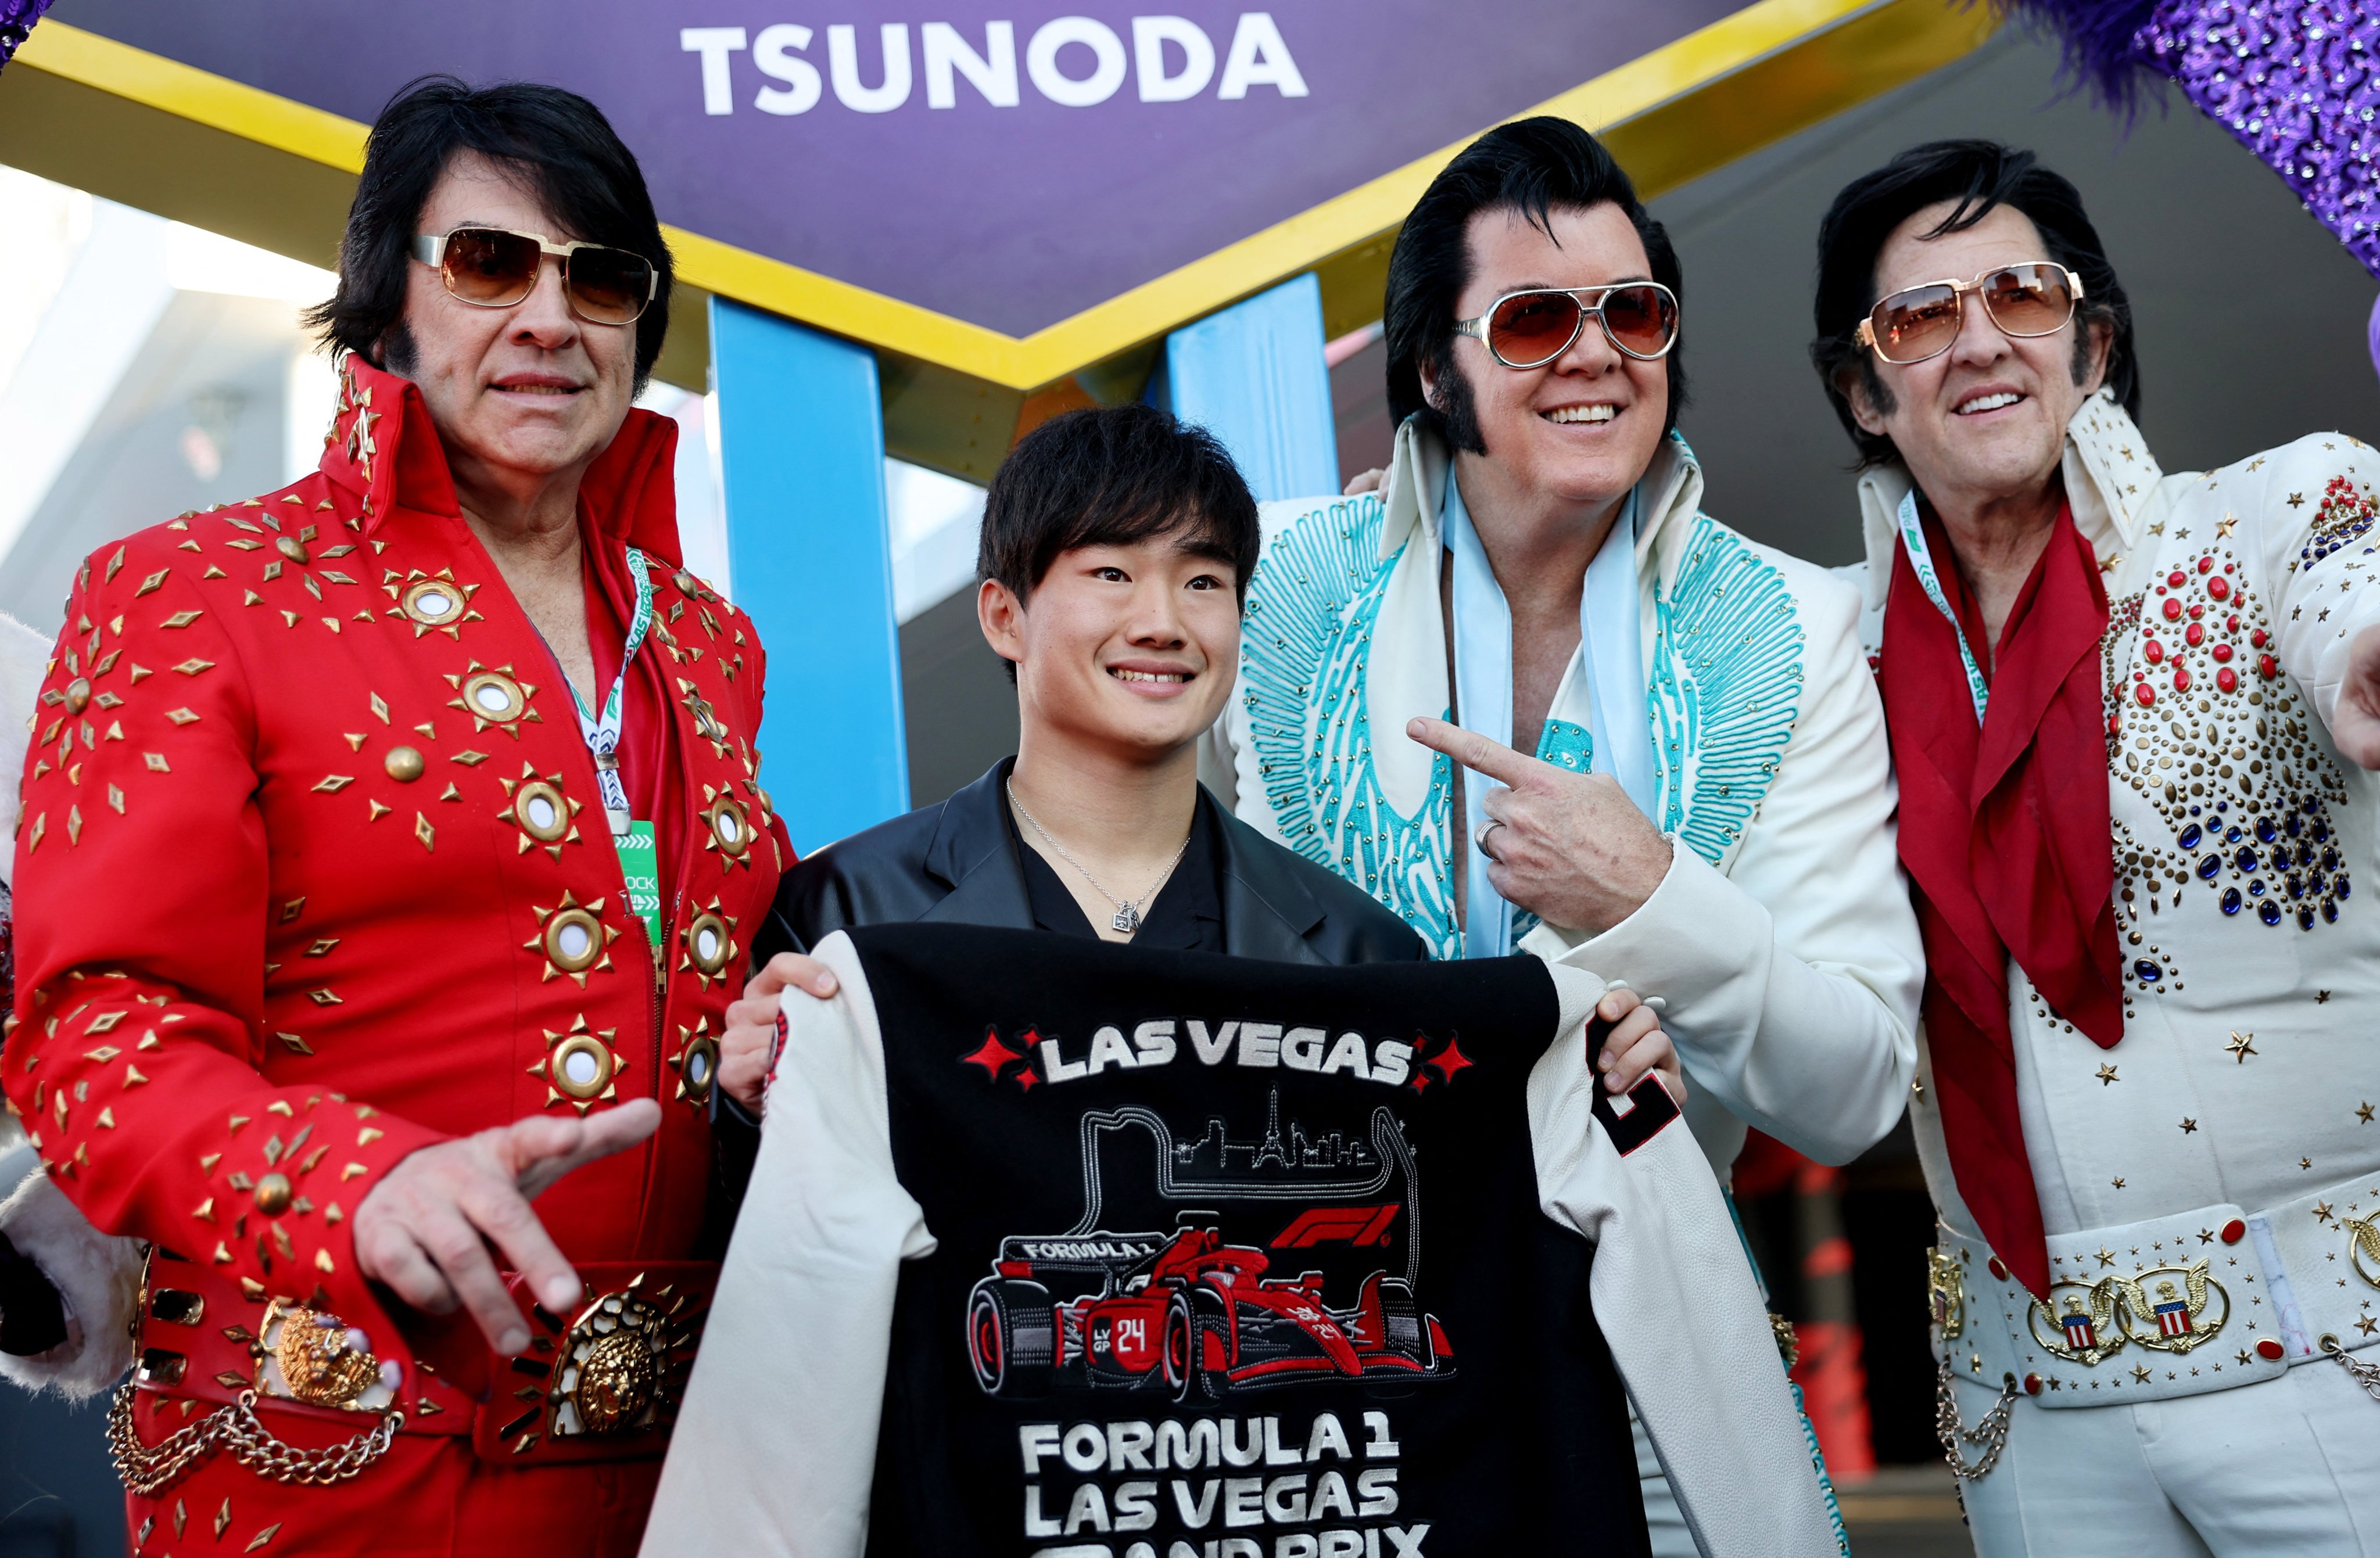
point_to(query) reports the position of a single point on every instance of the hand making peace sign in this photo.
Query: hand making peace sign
(1570, 848)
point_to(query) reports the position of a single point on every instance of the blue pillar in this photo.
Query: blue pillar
(801, 435)
(1254, 375)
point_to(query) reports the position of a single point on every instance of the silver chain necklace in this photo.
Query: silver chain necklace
(1127, 911)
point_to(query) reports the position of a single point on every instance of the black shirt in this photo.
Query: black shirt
(1186, 915)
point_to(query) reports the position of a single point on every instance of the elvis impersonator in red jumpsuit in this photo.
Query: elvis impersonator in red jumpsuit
(322, 873)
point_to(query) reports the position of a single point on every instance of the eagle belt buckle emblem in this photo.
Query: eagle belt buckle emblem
(2083, 1329)
(1946, 1292)
(2363, 1246)
(2167, 1317)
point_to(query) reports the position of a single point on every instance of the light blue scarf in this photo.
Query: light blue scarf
(1619, 738)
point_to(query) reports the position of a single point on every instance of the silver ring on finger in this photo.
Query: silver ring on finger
(1493, 824)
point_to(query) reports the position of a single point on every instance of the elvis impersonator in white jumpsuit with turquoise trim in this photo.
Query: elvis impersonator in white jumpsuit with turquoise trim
(2211, 1185)
(1720, 682)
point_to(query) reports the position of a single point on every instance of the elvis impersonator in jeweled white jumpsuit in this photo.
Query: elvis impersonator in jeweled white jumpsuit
(1719, 681)
(2195, 1378)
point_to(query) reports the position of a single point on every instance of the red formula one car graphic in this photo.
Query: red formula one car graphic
(1189, 1313)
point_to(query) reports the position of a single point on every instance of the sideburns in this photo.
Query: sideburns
(1456, 408)
(1880, 398)
(2083, 350)
(398, 352)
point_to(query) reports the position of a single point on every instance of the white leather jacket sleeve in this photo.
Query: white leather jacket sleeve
(1792, 981)
(775, 1450)
(1677, 1304)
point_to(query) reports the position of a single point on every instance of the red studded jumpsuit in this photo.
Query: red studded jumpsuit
(315, 873)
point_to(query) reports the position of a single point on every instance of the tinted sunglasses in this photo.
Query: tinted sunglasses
(495, 268)
(1918, 322)
(1531, 329)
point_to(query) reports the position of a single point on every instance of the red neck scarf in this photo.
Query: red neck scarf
(2004, 831)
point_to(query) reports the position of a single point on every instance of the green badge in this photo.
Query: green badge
(640, 869)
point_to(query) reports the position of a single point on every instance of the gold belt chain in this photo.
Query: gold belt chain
(149, 1469)
(2362, 1373)
(1991, 1431)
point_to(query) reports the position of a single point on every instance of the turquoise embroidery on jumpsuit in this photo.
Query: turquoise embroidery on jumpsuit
(1304, 652)
(1726, 680)
(1726, 687)
(1567, 744)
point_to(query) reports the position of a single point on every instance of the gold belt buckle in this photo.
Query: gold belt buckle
(307, 1354)
(604, 1374)
(1946, 1292)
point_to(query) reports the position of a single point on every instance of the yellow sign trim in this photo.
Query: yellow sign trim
(1690, 64)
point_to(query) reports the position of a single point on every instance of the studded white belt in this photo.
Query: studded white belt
(2180, 1305)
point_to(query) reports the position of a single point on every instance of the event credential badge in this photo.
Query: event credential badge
(1235, 1260)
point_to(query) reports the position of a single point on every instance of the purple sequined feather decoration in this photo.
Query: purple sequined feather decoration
(17, 19)
(2295, 81)
(2298, 85)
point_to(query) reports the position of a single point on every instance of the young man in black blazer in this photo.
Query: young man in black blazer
(1117, 548)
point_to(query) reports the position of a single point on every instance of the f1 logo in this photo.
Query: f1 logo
(1358, 1226)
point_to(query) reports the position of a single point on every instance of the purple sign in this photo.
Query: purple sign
(1007, 164)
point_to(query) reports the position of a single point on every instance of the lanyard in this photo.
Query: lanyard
(601, 731)
(1921, 559)
(1612, 666)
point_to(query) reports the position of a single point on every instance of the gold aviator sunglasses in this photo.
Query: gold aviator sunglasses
(1918, 322)
(496, 268)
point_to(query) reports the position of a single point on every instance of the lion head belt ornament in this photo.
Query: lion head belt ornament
(609, 1372)
(307, 1354)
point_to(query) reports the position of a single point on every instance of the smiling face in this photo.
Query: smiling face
(1582, 429)
(530, 391)
(1128, 650)
(1986, 419)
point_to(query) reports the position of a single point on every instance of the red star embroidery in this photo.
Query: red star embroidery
(1420, 1082)
(994, 1056)
(1031, 1040)
(1451, 1059)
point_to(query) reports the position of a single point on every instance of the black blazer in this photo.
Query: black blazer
(956, 863)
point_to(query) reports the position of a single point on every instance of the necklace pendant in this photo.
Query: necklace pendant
(1127, 919)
